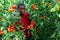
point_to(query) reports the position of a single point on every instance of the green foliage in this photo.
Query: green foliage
(49, 28)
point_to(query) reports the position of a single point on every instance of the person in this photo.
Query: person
(24, 21)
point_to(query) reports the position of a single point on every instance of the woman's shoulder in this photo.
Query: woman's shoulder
(27, 14)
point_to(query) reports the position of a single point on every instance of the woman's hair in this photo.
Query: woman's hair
(20, 5)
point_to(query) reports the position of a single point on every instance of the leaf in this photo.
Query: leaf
(5, 31)
(55, 7)
(53, 35)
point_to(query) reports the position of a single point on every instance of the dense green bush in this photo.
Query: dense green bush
(47, 26)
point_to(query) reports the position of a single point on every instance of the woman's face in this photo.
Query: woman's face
(22, 9)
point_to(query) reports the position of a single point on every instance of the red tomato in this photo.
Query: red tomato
(34, 7)
(1, 32)
(31, 26)
(14, 6)
(0, 18)
(11, 10)
(11, 28)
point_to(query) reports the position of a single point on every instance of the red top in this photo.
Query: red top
(25, 20)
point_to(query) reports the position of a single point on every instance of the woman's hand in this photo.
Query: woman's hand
(18, 23)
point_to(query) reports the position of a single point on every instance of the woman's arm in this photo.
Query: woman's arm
(18, 22)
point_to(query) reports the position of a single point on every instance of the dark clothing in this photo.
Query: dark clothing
(27, 33)
(30, 38)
